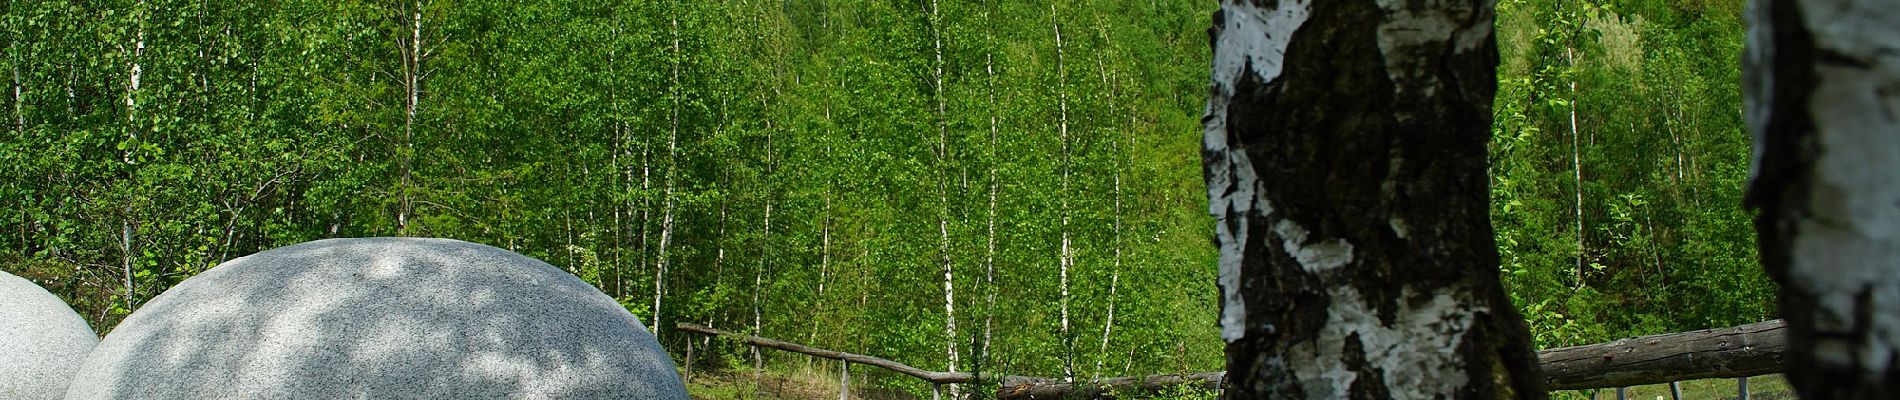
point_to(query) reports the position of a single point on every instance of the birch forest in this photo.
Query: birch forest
(961, 186)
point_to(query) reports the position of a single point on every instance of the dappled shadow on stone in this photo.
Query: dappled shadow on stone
(380, 318)
(41, 341)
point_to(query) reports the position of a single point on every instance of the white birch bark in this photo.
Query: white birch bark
(989, 252)
(412, 91)
(943, 199)
(1067, 255)
(672, 150)
(1576, 166)
(135, 71)
(1822, 98)
(765, 253)
(1120, 154)
(1339, 281)
(19, 98)
(620, 142)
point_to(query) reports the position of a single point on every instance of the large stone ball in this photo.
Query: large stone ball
(380, 318)
(41, 341)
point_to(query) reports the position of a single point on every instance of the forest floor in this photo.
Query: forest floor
(735, 384)
(1766, 387)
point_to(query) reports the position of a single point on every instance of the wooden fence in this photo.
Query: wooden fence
(1736, 352)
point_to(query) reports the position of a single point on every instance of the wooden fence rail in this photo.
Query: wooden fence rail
(1736, 352)
(1742, 351)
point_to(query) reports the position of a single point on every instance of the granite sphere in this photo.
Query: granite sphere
(42, 341)
(382, 318)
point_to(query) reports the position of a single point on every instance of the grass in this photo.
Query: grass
(1766, 387)
(738, 384)
(822, 384)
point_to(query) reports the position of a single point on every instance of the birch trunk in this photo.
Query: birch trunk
(1067, 257)
(620, 144)
(1344, 154)
(19, 99)
(1820, 98)
(765, 253)
(943, 199)
(135, 70)
(1121, 155)
(412, 90)
(989, 252)
(1576, 165)
(666, 194)
(719, 251)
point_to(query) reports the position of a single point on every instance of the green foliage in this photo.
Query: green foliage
(1656, 155)
(570, 131)
(583, 133)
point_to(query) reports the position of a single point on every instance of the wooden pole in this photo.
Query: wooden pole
(688, 377)
(1747, 350)
(844, 380)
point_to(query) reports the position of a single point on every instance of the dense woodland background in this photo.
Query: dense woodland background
(993, 185)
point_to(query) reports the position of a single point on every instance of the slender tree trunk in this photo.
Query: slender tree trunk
(824, 267)
(1820, 98)
(19, 99)
(19, 117)
(412, 88)
(1345, 153)
(989, 252)
(765, 254)
(620, 143)
(719, 252)
(126, 233)
(1067, 257)
(646, 202)
(824, 248)
(943, 200)
(1120, 154)
(1576, 167)
(135, 71)
(672, 150)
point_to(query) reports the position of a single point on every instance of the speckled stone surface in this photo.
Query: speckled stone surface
(380, 318)
(41, 341)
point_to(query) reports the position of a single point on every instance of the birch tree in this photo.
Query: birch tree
(1066, 259)
(943, 196)
(989, 252)
(1820, 101)
(672, 148)
(1344, 156)
(413, 54)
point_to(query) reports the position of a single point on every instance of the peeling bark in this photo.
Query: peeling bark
(1822, 83)
(1345, 157)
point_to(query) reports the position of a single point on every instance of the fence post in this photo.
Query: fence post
(1675, 390)
(1741, 388)
(689, 361)
(1622, 393)
(844, 380)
